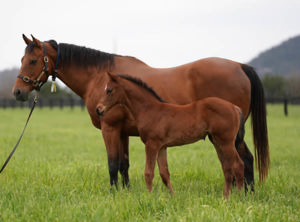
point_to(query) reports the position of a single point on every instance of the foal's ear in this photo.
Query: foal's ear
(26, 40)
(36, 41)
(112, 76)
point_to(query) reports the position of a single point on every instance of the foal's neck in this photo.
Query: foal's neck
(140, 102)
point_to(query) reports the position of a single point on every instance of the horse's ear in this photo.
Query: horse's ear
(26, 40)
(36, 41)
(112, 76)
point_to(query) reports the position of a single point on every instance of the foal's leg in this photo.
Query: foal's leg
(232, 166)
(163, 168)
(238, 171)
(151, 157)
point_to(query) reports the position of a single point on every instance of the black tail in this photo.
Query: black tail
(259, 122)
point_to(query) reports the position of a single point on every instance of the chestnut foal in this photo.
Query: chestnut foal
(161, 125)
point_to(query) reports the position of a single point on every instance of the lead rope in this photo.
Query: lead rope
(28, 118)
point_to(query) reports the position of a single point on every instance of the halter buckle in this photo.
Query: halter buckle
(26, 79)
(35, 83)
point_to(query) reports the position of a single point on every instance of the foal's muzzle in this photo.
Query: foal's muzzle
(100, 110)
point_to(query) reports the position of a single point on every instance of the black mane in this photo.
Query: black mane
(78, 55)
(82, 56)
(142, 84)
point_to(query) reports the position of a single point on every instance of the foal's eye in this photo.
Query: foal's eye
(32, 62)
(108, 91)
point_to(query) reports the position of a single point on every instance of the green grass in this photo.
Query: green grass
(60, 173)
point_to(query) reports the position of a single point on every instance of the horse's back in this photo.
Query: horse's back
(222, 78)
(209, 77)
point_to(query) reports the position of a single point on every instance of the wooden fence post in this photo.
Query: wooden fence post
(285, 105)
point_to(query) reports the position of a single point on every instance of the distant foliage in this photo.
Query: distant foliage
(7, 80)
(274, 85)
(293, 86)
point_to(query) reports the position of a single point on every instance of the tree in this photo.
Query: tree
(293, 88)
(7, 80)
(274, 85)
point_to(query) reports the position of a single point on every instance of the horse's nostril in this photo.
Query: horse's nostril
(21, 95)
(17, 92)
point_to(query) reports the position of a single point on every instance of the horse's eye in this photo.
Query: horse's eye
(108, 91)
(32, 62)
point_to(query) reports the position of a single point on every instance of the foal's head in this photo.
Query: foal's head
(114, 94)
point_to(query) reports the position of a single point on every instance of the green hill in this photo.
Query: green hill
(283, 59)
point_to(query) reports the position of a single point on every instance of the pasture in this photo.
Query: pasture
(60, 173)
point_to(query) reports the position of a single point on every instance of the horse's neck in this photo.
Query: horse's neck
(78, 79)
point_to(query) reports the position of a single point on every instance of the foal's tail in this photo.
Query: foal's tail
(259, 122)
(241, 133)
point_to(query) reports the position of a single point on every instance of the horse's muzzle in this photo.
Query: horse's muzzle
(21, 95)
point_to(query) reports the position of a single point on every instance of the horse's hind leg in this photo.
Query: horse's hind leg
(163, 168)
(248, 160)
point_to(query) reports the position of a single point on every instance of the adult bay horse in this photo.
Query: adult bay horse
(161, 125)
(82, 69)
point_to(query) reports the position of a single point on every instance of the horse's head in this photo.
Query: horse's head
(36, 67)
(114, 94)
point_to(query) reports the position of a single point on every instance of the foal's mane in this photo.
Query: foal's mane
(142, 84)
(78, 55)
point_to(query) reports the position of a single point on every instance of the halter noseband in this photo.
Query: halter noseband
(37, 83)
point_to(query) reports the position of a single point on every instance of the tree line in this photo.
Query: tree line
(277, 86)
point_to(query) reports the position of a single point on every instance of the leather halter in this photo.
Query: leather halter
(37, 83)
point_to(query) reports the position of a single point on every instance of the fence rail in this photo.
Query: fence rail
(77, 102)
(43, 102)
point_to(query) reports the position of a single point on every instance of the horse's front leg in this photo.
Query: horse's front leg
(124, 160)
(113, 143)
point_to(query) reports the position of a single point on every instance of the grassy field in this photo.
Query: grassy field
(60, 173)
